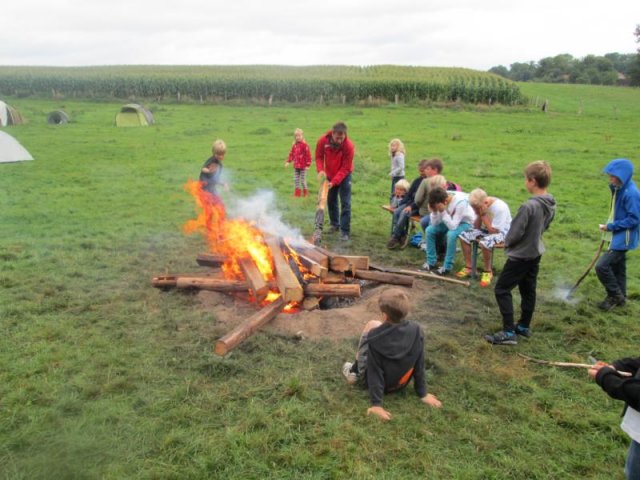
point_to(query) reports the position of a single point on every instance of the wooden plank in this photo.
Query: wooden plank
(214, 284)
(257, 283)
(210, 259)
(312, 266)
(346, 263)
(332, 290)
(232, 339)
(383, 277)
(314, 254)
(288, 284)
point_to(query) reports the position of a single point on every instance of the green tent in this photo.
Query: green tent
(134, 115)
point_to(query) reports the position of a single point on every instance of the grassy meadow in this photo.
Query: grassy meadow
(104, 377)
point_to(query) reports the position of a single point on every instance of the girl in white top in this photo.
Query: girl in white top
(396, 153)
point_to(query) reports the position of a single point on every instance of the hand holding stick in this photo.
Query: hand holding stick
(569, 364)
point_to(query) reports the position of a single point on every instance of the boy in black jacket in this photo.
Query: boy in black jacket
(628, 390)
(390, 353)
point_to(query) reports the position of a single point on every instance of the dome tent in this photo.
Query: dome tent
(134, 115)
(11, 150)
(58, 117)
(9, 115)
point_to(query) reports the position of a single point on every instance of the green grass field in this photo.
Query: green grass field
(103, 376)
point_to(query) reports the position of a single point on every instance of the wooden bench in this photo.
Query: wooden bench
(414, 225)
(474, 257)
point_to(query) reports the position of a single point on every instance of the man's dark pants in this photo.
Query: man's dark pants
(344, 192)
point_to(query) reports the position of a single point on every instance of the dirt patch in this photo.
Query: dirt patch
(333, 324)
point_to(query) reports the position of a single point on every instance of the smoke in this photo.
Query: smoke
(260, 209)
(563, 293)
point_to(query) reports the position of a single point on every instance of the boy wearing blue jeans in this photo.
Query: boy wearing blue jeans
(621, 230)
(451, 215)
(524, 248)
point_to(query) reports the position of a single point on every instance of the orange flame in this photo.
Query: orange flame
(235, 239)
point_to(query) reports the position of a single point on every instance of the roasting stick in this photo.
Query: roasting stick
(567, 364)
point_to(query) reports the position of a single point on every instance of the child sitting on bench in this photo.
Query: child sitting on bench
(493, 220)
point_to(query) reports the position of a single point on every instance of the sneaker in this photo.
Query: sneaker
(464, 273)
(611, 302)
(485, 279)
(427, 268)
(502, 338)
(442, 271)
(423, 246)
(348, 375)
(393, 243)
(344, 237)
(333, 229)
(522, 330)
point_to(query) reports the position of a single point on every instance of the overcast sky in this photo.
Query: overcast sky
(456, 33)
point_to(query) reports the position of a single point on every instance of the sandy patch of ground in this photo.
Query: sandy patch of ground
(333, 324)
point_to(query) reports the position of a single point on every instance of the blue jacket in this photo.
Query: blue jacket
(626, 216)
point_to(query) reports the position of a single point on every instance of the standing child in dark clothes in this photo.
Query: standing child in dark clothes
(524, 248)
(300, 156)
(621, 230)
(390, 354)
(211, 171)
(626, 389)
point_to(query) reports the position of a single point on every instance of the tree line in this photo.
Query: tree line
(610, 69)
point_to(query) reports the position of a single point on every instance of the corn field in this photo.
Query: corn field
(324, 84)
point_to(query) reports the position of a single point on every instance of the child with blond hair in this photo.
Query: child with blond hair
(300, 156)
(396, 154)
(211, 171)
(390, 353)
(492, 223)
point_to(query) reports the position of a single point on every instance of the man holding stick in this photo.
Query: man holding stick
(334, 163)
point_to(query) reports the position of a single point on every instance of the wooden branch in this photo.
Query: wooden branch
(210, 259)
(569, 364)
(232, 339)
(332, 290)
(288, 284)
(256, 281)
(432, 276)
(383, 277)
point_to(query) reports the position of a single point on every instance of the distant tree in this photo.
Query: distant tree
(500, 70)
(622, 62)
(555, 69)
(523, 72)
(634, 71)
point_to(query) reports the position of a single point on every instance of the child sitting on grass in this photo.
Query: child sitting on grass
(450, 216)
(390, 354)
(493, 220)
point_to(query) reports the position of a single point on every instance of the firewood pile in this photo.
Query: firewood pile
(303, 275)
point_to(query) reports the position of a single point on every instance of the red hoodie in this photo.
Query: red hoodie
(300, 155)
(337, 163)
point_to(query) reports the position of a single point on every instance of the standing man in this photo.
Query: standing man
(334, 162)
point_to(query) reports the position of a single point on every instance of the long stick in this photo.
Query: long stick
(432, 276)
(322, 202)
(584, 275)
(567, 364)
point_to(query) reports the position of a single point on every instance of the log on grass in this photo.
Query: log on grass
(288, 284)
(256, 281)
(332, 290)
(214, 284)
(232, 339)
(210, 259)
(383, 277)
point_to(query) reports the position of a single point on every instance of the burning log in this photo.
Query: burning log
(255, 279)
(210, 259)
(344, 263)
(314, 267)
(314, 254)
(288, 284)
(202, 283)
(384, 277)
(232, 339)
(332, 290)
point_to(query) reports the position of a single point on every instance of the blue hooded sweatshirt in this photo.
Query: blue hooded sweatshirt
(626, 216)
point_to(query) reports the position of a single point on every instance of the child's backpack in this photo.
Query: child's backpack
(416, 239)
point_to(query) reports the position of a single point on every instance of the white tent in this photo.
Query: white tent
(9, 115)
(11, 150)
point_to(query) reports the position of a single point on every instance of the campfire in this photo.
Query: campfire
(277, 274)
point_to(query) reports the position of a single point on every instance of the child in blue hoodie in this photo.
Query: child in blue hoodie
(621, 230)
